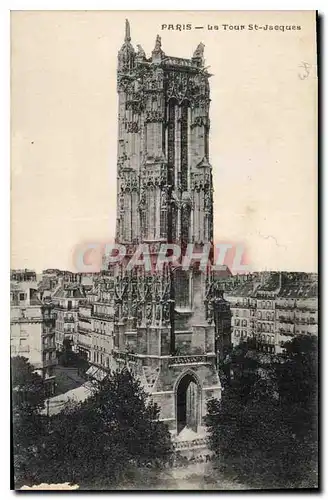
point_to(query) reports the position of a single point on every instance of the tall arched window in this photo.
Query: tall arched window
(184, 147)
(151, 213)
(163, 217)
(134, 217)
(127, 217)
(182, 289)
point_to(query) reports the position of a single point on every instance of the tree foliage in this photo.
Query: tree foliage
(28, 396)
(28, 392)
(263, 431)
(101, 442)
(67, 357)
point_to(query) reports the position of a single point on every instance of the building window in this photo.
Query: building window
(22, 296)
(184, 148)
(163, 218)
(23, 345)
(127, 217)
(134, 215)
(143, 223)
(182, 289)
(151, 213)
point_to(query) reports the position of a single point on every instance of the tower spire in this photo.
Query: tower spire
(126, 54)
(127, 37)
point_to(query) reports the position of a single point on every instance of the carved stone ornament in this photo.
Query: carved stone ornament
(141, 54)
(208, 202)
(154, 116)
(191, 88)
(132, 127)
(199, 52)
(128, 182)
(200, 181)
(158, 44)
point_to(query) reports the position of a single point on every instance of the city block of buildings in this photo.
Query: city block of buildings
(32, 326)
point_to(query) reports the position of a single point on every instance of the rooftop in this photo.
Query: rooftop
(285, 284)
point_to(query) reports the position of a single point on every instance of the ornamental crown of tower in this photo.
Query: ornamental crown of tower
(164, 174)
(128, 56)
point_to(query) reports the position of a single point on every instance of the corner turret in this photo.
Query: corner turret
(126, 55)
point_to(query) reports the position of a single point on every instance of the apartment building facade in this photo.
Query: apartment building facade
(271, 308)
(66, 301)
(32, 330)
(96, 326)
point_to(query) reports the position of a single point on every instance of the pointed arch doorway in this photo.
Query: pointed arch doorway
(188, 399)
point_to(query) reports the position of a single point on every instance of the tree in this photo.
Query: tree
(297, 381)
(28, 396)
(262, 430)
(28, 393)
(104, 440)
(66, 355)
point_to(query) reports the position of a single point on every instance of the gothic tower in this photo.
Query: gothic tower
(164, 326)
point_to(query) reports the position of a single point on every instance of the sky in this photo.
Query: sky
(263, 142)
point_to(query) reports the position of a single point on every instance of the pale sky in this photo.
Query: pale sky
(263, 143)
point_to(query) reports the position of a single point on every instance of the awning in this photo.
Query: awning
(96, 373)
(91, 371)
(100, 375)
(58, 403)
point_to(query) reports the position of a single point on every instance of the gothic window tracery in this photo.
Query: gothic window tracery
(182, 289)
(163, 215)
(171, 139)
(151, 213)
(185, 223)
(126, 230)
(134, 208)
(184, 147)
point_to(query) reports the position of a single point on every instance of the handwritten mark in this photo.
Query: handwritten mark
(273, 238)
(306, 70)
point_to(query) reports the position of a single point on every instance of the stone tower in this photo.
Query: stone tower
(164, 326)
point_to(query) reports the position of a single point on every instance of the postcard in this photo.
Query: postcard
(164, 241)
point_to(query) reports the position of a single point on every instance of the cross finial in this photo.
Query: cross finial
(127, 37)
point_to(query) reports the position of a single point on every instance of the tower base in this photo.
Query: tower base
(191, 447)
